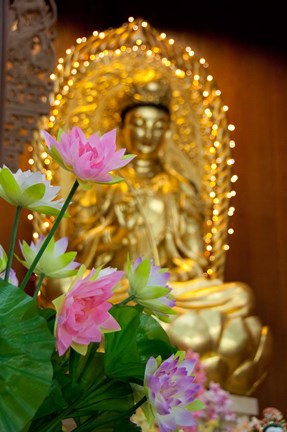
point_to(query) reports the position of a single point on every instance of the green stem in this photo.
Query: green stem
(39, 284)
(50, 235)
(12, 242)
(127, 300)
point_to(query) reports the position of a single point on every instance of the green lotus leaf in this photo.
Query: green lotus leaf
(26, 346)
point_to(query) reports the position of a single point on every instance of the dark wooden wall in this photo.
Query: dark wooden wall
(254, 86)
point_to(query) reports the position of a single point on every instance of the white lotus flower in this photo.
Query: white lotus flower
(54, 262)
(30, 190)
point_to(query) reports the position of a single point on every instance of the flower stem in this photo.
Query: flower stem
(39, 284)
(127, 300)
(50, 235)
(12, 242)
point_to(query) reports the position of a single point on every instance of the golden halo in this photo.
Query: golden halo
(96, 81)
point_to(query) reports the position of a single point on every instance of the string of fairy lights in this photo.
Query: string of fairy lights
(64, 79)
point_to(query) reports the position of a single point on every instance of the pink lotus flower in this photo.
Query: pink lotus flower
(171, 392)
(82, 312)
(92, 159)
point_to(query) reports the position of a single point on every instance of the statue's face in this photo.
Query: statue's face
(144, 130)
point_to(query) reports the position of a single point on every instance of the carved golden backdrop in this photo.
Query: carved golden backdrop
(95, 81)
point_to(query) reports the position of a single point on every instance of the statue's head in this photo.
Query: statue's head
(145, 118)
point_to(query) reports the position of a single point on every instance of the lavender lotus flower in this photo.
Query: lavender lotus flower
(12, 279)
(171, 392)
(148, 285)
(3, 259)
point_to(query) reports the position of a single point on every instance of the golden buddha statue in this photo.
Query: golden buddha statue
(174, 203)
